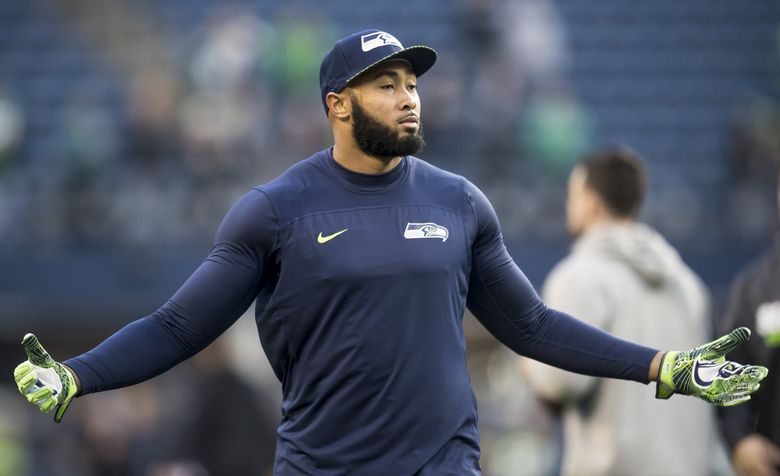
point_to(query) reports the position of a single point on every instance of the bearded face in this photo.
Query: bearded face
(376, 139)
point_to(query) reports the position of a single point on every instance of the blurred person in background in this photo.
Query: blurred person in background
(206, 429)
(625, 278)
(752, 431)
(362, 259)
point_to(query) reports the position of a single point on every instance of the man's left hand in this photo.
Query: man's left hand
(705, 373)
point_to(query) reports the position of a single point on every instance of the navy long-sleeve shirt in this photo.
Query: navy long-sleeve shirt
(360, 284)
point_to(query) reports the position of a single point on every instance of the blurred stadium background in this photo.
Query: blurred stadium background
(127, 129)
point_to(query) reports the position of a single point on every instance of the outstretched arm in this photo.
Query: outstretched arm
(573, 290)
(502, 298)
(505, 302)
(209, 302)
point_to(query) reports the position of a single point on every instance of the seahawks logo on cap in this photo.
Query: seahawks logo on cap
(425, 230)
(377, 39)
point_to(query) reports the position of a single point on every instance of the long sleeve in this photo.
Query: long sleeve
(572, 290)
(211, 300)
(505, 302)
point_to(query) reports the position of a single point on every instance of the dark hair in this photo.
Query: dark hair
(617, 175)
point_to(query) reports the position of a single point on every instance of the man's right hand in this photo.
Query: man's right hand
(44, 382)
(755, 455)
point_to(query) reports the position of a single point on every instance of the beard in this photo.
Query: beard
(378, 140)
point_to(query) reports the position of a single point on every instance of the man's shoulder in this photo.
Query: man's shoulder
(427, 170)
(297, 178)
(583, 267)
(423, 171)
(440, 180)
(436, 185)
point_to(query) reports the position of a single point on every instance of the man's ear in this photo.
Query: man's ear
(339, 105)
(596, 205)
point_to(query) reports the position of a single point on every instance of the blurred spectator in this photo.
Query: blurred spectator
(301, 39)
(494, 84)
(204, 428)
(755, 157)
(67, 207)
(514, 430)
(12, 124)
(752, 430)
(12, 131)
(623, 277)
(224, 114)
(555, 128)
(117, 434)
(151, 134)
(13, 448)
(89, 137)
(445, 109)
(119, 443)
(511, 48)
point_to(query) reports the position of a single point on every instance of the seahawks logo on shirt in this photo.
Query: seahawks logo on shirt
(425, 230)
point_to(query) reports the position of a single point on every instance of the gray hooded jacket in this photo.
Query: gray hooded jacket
(627, 280)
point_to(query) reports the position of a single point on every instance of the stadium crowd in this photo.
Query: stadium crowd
(136, 125)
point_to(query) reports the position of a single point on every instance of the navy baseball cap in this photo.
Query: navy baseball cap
(356, 53)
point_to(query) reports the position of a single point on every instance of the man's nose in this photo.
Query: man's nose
(408, 100)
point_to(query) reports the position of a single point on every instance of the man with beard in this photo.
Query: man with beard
(362, 259)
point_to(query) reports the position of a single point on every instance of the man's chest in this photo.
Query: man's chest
(361, 243)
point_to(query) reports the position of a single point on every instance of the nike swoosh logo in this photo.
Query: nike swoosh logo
(324, 239)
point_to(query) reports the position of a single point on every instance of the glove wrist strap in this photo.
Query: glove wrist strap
(664, 386)
(69, 390)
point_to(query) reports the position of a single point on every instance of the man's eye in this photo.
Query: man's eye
(412, 87)
(387, 86)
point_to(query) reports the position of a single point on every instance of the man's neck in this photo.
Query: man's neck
(354, 159)
(609, 222)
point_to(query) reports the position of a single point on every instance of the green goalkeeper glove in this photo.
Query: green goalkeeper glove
(704, 372)
(43, 381)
